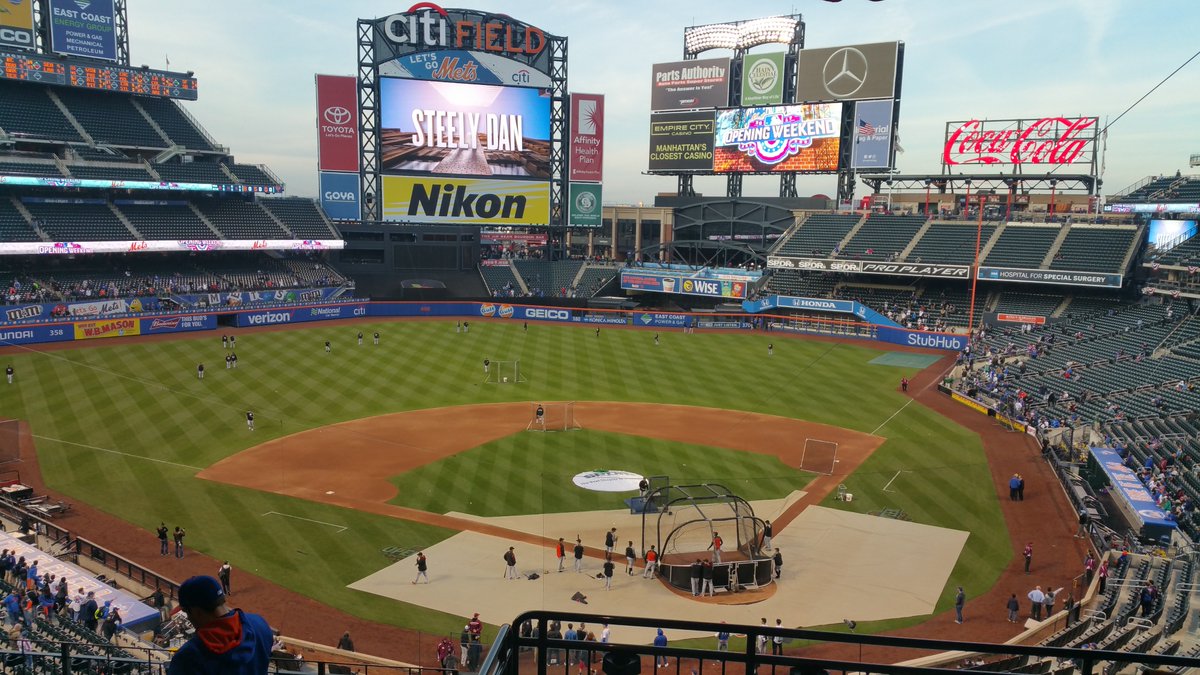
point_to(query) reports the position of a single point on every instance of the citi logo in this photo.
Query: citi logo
(521, 76)
(268, 318)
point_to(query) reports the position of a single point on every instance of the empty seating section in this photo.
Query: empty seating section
(79, 222)
(1189, 191)
(950, 243)
(1186, 253)
(13, 226)
(1081, 306)
(301, 217)
(1094, 249)
(803, 284)
(551, 279)
(170, 118)
(237, 219)
(131, 172)
(312, 273)
(251, 175)
(89, 154)
(500, 280)
(818, 235)
(9, 168)
(1021, 246)
(1155, 185)
(1028, 303)
(595, 277)
(26, 110)
(167, 221)
(883, 237)
(193, 172)
(110, 118)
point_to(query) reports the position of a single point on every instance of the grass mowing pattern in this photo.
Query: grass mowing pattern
(531, 473)
(143, 402)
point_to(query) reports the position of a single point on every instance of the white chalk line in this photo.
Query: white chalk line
(889, 483)
(118, 452)
(898, 411)
(341, 528)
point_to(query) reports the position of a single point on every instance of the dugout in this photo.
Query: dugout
(682, 526)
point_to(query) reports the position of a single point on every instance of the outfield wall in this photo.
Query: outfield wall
(66, 331)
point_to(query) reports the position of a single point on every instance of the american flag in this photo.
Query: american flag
(865, 129)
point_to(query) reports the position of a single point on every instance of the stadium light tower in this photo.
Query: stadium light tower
(740, 35)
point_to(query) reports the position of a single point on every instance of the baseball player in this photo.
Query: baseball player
(716, 546)
(487, 366)
(525, 326)
(656, 339)
(360, 338)
(597, 331)
(466, 326)
(770, 349)
(250, 420)
(376, 338)
(233, 359)
(610, 540)
(328, 347)
(458, 327)
(422, 568)
(225, 342)
(233, 342)
(541, 415)
(8, 372)
(228, 362)
(200, 371)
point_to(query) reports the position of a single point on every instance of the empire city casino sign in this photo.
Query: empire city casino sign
(427, 25)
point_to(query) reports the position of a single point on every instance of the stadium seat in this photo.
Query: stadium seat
(26, 110)
(818, 235)
(110, 118)
(13, 226)
(171, 118)
(193, 172)
(172, 221)
(950, 243)
(301, 216)
(79, 222)
(882, 237)
(238, 219)
(1022, 246)
(1094, 249)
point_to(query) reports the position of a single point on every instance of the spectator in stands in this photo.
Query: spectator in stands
(87, 612)
(112, 624)
(345, 643)
(226, 640)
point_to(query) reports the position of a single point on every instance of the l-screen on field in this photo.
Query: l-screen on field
(366, 454)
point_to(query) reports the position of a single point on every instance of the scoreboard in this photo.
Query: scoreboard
(97, 76)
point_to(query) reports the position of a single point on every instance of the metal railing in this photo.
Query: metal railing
(513, 653)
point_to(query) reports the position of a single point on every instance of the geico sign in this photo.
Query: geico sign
(268, 318)
(553, 314)
(331, 196)
(23, 38)
(428, 25)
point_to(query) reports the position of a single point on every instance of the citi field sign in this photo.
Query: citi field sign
(427, 26)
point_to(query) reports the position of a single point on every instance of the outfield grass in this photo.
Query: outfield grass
(531, 473)
(125, 427)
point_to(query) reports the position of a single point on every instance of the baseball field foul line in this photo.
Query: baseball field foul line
(889, 483)
(340, 528)
(898, 411)
(118, 452)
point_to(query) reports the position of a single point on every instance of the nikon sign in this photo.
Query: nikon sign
(762, 79)
(465, 201)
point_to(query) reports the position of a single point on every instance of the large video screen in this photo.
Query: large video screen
(452, 129)
(778, 139)
(681, 141)
(1164, 233)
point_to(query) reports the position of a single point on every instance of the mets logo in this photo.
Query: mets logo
(506, 311)
(487, 310)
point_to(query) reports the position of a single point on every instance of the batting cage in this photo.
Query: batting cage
(504, 372)
(557, 416)
(684, 526)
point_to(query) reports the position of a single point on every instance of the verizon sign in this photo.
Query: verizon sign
(1053, 141)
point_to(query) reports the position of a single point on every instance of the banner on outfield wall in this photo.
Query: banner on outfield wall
(340, 195)
(337, 123)
(16, 24)
(587, 138)
(1020, 318)
(658, 283)
(276, 317)
(178, 302)
(83, 28)
(36, 334)
(914, 338)
(178, 324)
(108, 328)
(661, 320)
(970, 403)
(165, 246)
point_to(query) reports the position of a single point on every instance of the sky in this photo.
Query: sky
(255, 61)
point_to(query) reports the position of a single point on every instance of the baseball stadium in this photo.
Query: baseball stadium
(459, 413)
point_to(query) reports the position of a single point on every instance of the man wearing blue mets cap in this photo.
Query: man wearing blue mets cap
(226, 640)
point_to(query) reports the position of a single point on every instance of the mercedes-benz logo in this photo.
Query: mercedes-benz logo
(336, 115)
(845, 72)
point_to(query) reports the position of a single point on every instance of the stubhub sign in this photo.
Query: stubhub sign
(911, 338)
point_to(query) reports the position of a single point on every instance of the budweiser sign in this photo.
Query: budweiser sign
(1049, 140)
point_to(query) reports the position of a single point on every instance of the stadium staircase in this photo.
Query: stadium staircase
(71, 119)
(915, 239)
(845, 241)
(124, 221)
(1055, 246)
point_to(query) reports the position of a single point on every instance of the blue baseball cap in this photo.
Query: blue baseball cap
(203, 592)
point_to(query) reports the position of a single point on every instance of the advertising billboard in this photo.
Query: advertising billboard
(682, 141)
(659, 283)
(585, 208)
(453, 129)
(337, 123)
(1165, 233)
(83, 28)
(848, 73)
(465, 201)
(16, 24)
(1053, 141)
(686, 85)
(340, 195)
(872, 145)
(587, 137)
(467, 67)
(778, 138)
(762, 79)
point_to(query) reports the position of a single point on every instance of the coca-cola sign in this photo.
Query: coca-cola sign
(1046, 140)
